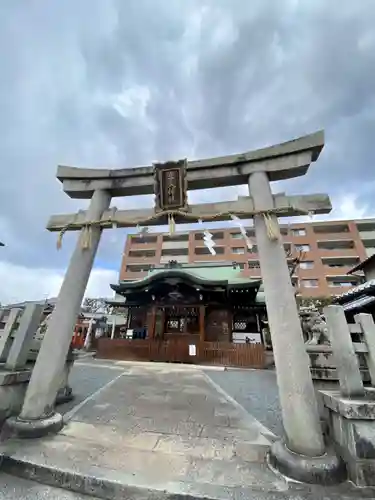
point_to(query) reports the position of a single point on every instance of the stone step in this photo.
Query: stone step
(134, 474)
(15, 488)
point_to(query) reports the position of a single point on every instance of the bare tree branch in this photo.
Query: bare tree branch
(294, 264)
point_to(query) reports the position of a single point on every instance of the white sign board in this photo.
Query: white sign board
(254, 338)
(241, 338)
(192, 350)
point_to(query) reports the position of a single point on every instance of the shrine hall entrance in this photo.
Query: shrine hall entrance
(183, 322)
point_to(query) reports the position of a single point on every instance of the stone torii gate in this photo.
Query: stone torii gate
(303, 448)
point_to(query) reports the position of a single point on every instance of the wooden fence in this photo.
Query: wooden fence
(177, 351)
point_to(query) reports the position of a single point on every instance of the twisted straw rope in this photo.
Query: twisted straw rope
(86, 235)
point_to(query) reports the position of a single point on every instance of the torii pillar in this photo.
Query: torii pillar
(302, 454)
(38, 417)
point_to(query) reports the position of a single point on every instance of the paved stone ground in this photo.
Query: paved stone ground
(256, 391)
(163, 427)
(14, 488)
(160, 427)
(86, 377)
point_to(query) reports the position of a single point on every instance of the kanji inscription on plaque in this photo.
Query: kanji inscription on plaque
(170, 186)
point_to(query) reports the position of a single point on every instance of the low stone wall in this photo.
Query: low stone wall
(323, 366)
(351, 423)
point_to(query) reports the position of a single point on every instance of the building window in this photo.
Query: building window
(254, 264)
(306, 264)
(238, 250)
(142, 253)
(298, 232)
(310, 283)
(236, 236)
(342, 283)
(138, 268)
(205, 251)
(143, 239)
(175, 237)
(254, 249)
(174, 251)
(336, 245)
(302, 248)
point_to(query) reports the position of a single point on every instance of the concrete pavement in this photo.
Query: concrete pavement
(150, 431)
(15, 488)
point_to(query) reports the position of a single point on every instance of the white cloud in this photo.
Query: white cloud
(20, 283)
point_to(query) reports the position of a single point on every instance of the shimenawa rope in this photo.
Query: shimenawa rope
(273, 231)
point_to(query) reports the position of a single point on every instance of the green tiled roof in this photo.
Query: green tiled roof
(209, 275)
(220, 273)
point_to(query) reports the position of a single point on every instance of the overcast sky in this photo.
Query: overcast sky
(125, 83)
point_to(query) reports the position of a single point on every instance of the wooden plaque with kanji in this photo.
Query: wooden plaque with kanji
(170, 186)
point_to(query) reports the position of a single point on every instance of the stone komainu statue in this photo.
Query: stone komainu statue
(314, 327)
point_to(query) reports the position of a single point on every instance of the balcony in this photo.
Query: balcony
(367, 235)
(175, 237)
(168, 245)
(366, 225)
(343, 281)
(337, 248)
(205, 251)
(369, 245)
(340, 262)
(143, 240)
(331, 229)
(138, 268)
(174, 252)
(141, 254)
(338, 266)
(132, 275)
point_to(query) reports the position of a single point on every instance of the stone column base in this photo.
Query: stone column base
(326, 470)
(352, 429)
(35, 428)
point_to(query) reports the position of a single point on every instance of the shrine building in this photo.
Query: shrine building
(190, 311)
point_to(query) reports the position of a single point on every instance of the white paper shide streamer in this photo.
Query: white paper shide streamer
(239, 224)
(208, 240)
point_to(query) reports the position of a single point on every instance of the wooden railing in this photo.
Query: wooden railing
(177, 351)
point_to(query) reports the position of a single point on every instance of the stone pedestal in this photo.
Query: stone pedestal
(13, 385)
(352, 429)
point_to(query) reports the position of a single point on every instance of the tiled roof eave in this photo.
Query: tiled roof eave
(367, 288)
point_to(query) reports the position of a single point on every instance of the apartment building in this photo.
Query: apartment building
(329, 249)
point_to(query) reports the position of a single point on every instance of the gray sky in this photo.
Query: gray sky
(125, 83)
